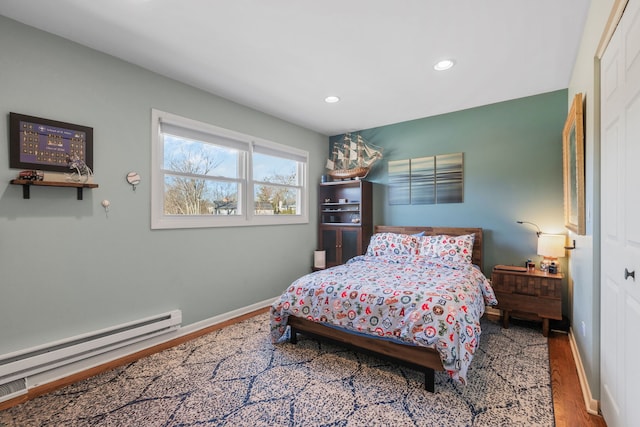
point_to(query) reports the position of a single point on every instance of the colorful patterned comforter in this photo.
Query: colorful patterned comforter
(408, 299)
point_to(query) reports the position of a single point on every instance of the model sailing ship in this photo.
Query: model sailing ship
(352, 157)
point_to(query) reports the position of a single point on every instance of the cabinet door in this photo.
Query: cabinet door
(340, 243)
(350, 245)
(329, 243)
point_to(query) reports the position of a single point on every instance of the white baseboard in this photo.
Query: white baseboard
(83, 365)
(592, 405)
(194, 327)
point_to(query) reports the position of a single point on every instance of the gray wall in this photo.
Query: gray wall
(512, 171)
(585, 260)
(66, 268)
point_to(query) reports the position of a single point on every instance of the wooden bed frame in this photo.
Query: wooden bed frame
(420, 358)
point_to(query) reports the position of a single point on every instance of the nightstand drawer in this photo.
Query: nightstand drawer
(541, 307)
(527, 285)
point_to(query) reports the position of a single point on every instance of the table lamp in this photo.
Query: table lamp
(551, 247)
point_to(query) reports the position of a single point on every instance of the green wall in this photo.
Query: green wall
(65, 267)
(512, 171)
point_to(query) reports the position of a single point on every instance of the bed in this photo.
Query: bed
(416, 296)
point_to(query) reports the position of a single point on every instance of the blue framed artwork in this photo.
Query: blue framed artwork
(449, 178)
(399, 182)
(423, 181)
(427, 180)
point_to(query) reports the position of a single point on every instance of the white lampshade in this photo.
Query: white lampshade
(551, 245)
(320, 259)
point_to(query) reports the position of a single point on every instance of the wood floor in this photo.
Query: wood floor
(568, 405)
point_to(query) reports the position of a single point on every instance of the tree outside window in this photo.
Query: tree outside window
(201, 171)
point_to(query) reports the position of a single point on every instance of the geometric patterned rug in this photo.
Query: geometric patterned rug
(236, 377)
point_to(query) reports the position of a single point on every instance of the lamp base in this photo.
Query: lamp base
(549, 265)
(544, 264)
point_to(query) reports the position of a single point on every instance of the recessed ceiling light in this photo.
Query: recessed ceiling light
(331, 99)
(445, 64)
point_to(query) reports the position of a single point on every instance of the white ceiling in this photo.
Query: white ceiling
(283, 57)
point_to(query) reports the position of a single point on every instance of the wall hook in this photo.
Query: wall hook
(105, 204)
(133, 178)
(570, 248)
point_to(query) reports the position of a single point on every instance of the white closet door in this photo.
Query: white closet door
(620, 231)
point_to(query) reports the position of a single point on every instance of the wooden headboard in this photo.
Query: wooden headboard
(432, 231)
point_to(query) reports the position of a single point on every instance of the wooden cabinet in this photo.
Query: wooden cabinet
(341, 244)
(346, 220)
(531, 295)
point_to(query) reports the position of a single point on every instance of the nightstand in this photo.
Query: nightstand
(530, 295)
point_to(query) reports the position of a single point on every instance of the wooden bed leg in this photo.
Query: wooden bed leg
(429, 380)
(294, 336)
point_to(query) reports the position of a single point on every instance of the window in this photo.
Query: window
(206, 176)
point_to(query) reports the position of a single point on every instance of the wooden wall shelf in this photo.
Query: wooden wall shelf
(26, 186)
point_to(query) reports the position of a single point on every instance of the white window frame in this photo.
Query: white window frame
(233, 139)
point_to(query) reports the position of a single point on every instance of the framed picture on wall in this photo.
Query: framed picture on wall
(573, 168)
(44, 144)
(423, 180)
(450, 178)
(427, 180)
(399, 182)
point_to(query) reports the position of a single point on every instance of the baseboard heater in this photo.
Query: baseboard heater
(15, 368)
